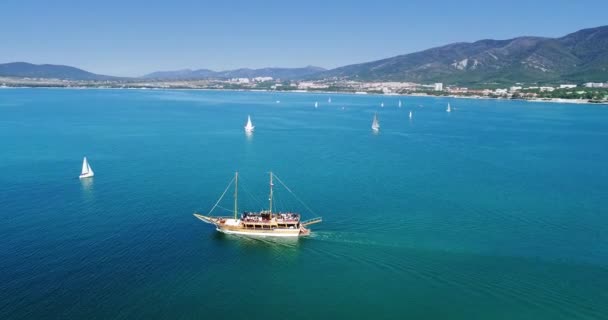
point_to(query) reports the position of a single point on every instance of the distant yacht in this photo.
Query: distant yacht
(316, 104)
(381, 104)
(399, 103)
(278, 101)
(87, 172)
(329, 100)
(449, 109)
(410, 114)
(375, 123)
(249, 126)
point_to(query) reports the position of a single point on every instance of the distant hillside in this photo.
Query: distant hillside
(580, 56)
(28, 70)
(181, 74)
(277, 73)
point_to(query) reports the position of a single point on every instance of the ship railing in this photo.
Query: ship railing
(270, 221)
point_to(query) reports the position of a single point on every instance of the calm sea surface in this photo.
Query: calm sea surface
(498, 210)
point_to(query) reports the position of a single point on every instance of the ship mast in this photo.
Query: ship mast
(270, 198)
(236, 193)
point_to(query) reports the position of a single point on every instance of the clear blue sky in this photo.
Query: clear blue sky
(130, 38)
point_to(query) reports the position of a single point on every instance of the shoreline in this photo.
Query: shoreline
(550, 100)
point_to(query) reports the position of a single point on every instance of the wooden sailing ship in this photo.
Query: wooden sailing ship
(261, 223)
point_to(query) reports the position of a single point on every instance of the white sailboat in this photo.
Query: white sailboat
(399, 103)
(375, 123)
(87, 172)
(249, 126)
(316, 104)
(382, 104)
(411, 115)
(449, 109)
(329, 100)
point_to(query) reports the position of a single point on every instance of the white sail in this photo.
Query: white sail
(410, 114)
(316, 104)
(329, 100)
(449, 109)
(90, 170)
(249, 126)
(399, 103)
(375, 123)
(382, 104)
(85, 166)
(86, 171)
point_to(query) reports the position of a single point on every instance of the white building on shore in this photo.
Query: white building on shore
(239, 80)
(262, 79)
(596, 85)
(515, 88)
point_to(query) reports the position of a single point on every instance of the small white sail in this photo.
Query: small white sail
(382, 104)
(316, 104)
(410, 114)
(375, 123)
(249, 126)
(86, 169)
(85, 166)
(329, 100)
(399, 103)
(449, 109)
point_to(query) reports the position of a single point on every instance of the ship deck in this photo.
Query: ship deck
(263, 227)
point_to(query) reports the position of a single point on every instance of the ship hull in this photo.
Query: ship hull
(234, 227)
(262, 233)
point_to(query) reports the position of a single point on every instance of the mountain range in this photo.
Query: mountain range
(579, 57)
(277, 73)
(28, 70)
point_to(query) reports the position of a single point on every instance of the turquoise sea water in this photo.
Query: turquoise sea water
(497, 210)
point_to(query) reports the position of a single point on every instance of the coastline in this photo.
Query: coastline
(536, 100)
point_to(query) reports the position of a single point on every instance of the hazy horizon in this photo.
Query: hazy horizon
(125, 40)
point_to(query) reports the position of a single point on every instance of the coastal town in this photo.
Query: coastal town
(589, 92)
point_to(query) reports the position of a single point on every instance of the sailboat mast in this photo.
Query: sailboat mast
(236, 194)
(270, 197)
